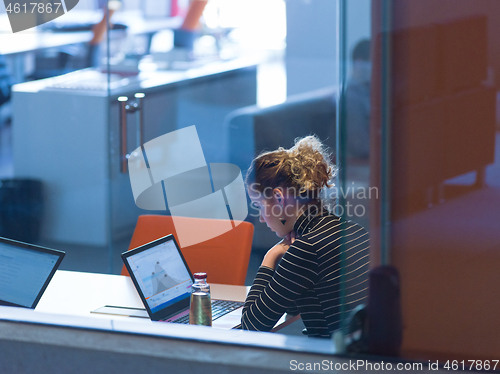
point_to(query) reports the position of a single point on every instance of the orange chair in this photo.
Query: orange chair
(224, 258)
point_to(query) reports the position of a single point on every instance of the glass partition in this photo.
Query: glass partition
(232, 82)
(355, 195)
(437, 129)
(404, 94)
(94, 89)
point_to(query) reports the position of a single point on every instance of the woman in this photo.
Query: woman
(303, 270)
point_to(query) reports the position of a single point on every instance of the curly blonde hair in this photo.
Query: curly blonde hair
(305, 168)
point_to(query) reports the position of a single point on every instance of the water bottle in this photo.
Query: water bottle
(200, 309)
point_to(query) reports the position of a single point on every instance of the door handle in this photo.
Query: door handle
(125, 108)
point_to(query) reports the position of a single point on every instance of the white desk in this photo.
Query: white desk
(77, 294)
(19, 46)
(136, 23)
(33, 39)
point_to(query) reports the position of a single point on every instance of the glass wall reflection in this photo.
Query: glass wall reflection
(251, 76)
(442, 114)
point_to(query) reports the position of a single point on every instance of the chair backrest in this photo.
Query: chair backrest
(224, 258)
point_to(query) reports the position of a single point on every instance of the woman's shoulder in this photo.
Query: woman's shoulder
(331, 227)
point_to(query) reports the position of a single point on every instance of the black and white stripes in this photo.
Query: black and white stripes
(308, 277)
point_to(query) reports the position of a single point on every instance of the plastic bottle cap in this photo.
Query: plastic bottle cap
(200, 275)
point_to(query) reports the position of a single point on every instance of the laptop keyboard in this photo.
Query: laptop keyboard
(183, 319)
(223, 307)
(219, 309)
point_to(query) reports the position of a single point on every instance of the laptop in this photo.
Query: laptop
(25, 272)
(163, 280)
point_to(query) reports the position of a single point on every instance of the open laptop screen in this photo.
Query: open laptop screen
(25, 272)
(162, 275)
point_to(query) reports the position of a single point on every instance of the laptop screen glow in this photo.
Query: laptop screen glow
(162, 275)
(23, 273)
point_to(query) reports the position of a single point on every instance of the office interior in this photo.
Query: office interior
(405, 93)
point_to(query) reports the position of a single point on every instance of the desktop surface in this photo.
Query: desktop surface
(77, 294)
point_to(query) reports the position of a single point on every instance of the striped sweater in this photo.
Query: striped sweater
(308, 277)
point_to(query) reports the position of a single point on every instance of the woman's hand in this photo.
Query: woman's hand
(289, 238)
(274, 255)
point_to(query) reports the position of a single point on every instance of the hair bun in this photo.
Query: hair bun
(310, 164)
